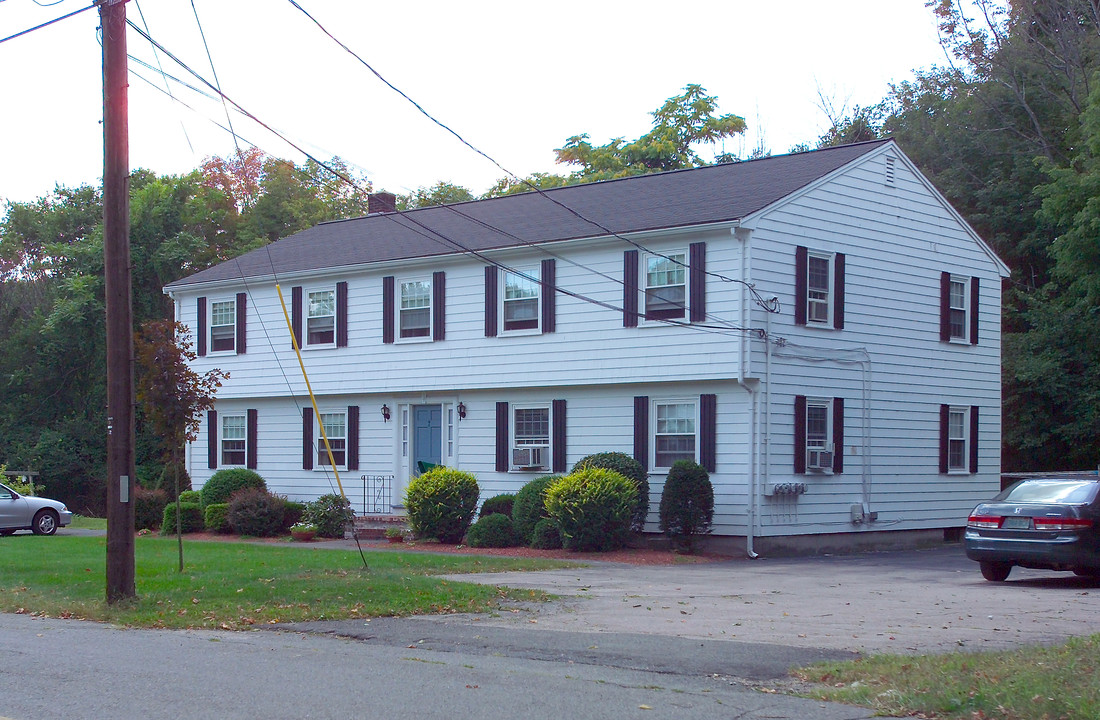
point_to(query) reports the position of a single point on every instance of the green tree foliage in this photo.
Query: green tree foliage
(442, 193)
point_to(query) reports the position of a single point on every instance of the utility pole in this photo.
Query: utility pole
(116, 275)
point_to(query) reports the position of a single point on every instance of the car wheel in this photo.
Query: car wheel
(45, 523)
(996, 571)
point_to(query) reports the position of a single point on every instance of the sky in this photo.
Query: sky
(515, 79)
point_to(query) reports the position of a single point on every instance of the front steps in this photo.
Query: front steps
(373, 527)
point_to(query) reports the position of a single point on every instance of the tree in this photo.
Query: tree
(442, 193)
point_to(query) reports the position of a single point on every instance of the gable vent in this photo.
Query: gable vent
(890, 171)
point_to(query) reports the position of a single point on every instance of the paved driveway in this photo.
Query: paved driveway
(905, 602)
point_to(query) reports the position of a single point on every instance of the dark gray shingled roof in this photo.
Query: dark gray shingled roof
(681, 198)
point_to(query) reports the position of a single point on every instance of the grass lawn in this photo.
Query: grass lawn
(88, 523)
(235, 585)
(1056, 683)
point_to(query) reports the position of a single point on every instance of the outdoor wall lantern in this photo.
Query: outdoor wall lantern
(462, 411)
(385, 413)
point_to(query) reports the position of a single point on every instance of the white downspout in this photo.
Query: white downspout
(743, 235)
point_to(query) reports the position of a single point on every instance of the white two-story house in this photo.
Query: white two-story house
(820, 330)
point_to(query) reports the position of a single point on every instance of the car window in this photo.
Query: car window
(1060, 492)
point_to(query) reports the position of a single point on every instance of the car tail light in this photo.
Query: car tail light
(984, 522)
(1061, 524)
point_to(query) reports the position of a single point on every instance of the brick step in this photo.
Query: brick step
(373, 527)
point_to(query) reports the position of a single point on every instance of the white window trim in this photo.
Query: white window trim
(828, 445)
(222, 439)
(319, 440)
(830, 301)
(533, 273)
(653, 404)
(548, 448)
(398, 283)
(964, 468)
(963, 280)
(231, 299)
(643, 285)
(306, 344)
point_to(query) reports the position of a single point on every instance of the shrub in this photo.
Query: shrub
(530, 507)
(592, 507)
(501, 504)
(190, 518)
(167, 479)
(547, 536)
(294, 512)
(441, 503)
(222, 484)
(492, 531)
(633, 470)
(23, 488)
(191, 496)
(253, 511)
(687, 503)
(331, 514)
(148, 508)
(216, 518)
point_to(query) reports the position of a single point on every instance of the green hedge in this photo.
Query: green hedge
(191, 519)
(592, 507)
(530, 507)
(687, 503)
(216, 518)
(441, 504)
(633, 470)
(492, 531)
(222, 484)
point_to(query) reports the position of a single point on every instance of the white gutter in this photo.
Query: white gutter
(743, 235)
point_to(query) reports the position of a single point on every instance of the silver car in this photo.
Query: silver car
(25, 512)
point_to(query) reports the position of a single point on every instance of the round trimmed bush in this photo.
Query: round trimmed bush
(633, 470)
(592, 507)
(148, 508)
(687, 503)
(547, 536)
(498, 504)
(294, 513)
(530, 507)
(190, 519)
(216, 518)
(492, 531)
(441, 504)
(331, 514)
(191, 496)
(255, 512)
(222, 484)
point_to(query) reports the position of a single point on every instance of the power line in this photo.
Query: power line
(159, 65)
(217, 82)
(47, 23)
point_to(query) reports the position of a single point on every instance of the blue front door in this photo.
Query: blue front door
(427, 436)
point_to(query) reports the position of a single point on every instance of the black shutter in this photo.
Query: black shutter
(387, 309)
(945, 307)
(296, 313)
(242, 323)
(212, 439)
(708, 432)
(800, 434)
(341, 314)
(838, 291)
(252, 456)
(974, 311)
(697, 273)
(557, 412)
(641, 430)
(973, 438)
(630, 288)
(502, 437)
(200, 341)
(307, 438)
(439, 305)
(491, 300)
(838, 435)
(549, 280)
(945, 422)
(353, 437)
(801, 268)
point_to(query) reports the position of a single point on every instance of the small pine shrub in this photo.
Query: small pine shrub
(216, 518)
(547, 536)
(687, 503)
(592, 507)
(501, 504)
(148, 508)
(256, 512)
(530, 507)
(167, 479)
(222, 484)
(191, 519)
(441, 503)
(633, 470)
(492, 531)
(191, 496)
(331, 514)
(294, 512)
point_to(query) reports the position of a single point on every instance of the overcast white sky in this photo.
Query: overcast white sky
(514, 78)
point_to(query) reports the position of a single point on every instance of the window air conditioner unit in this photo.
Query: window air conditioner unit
(529, 456)
(819, 460)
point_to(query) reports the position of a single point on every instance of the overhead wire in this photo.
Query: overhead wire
(48, 23)
(217, 82)
(167, 87)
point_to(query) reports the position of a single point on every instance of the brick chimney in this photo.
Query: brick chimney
(381, 202)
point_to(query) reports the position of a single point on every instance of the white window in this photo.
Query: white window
(520, 306)
(665, 286)
(957, 439)
(404, 431)
(414, 314)
(223, 325)
(450, 432)
(321, 320)
(531, 437)
(674, 433)
(234, 440)
(958, 310)
(818, 289)
(819, 434)
(335, 429)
